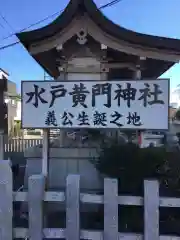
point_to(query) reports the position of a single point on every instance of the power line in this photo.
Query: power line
(32, 25)
(7, 22)
(9, 45)
(110, 4)
(2, 25)
(50, 16)
(54, 14)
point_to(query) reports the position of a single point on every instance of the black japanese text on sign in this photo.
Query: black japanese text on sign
(94, 103)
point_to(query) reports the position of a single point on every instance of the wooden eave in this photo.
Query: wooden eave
(151, 68)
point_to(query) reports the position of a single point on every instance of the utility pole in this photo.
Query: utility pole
(44, 76)
(45, 149)
(138, 76)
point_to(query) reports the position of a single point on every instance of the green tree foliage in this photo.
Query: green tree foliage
(131, 165)
(16, 130)
(177, 115)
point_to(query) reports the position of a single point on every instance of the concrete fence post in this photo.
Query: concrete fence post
(36, 189)
(6, 201)
(151, 210)
(73, 207)
(110, 209)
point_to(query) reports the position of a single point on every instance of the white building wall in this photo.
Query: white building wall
(18, 112)
(2, 73)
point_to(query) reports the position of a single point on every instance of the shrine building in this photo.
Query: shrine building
(83, 44)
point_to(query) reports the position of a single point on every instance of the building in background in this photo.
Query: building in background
(175, 97)
(10, 99)
(3, 106)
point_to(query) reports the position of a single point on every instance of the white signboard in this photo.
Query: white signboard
(96, 104)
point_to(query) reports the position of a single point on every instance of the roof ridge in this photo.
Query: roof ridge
(2, 70)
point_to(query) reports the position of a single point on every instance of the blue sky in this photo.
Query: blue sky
(156, 17)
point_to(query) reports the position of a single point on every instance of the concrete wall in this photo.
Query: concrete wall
(64, 161)
(12, 107)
